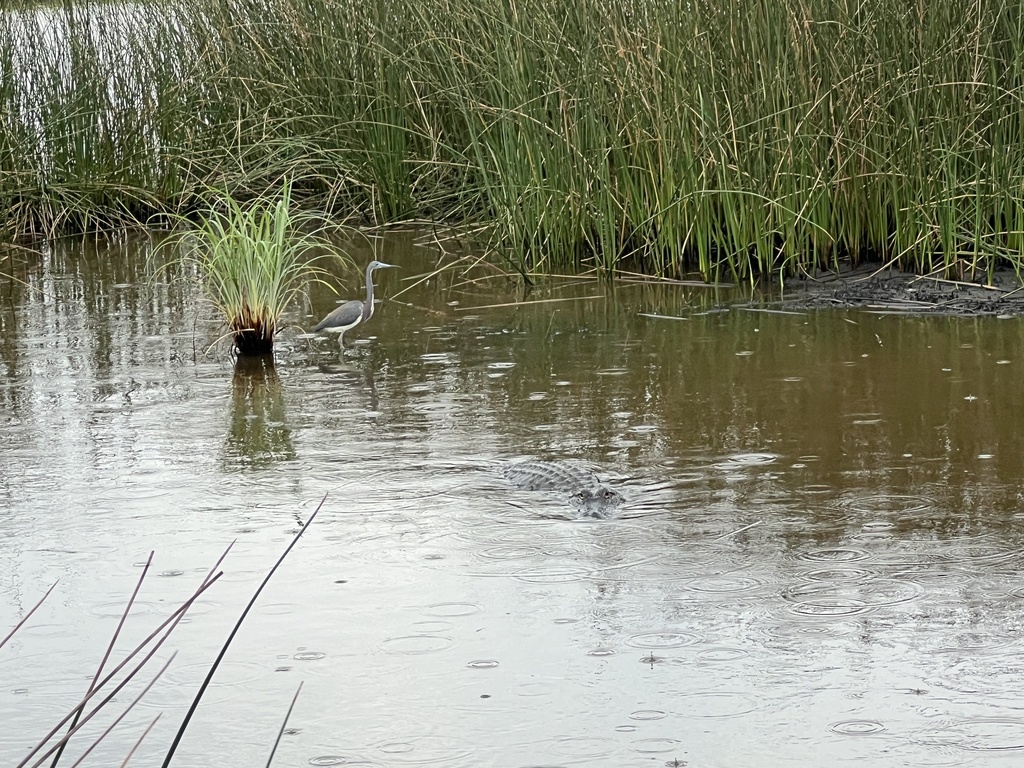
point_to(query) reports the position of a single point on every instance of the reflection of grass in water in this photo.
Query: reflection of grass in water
(259, 433)
(254, 261)
(51, 748)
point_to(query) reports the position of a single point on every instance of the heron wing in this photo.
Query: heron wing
(345, 316)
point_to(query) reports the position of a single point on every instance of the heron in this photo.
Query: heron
(352, 313)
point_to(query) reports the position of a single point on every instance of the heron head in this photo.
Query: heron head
(380, 265)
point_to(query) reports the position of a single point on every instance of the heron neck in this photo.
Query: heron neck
(368, 304)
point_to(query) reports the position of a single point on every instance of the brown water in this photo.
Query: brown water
(818, 560)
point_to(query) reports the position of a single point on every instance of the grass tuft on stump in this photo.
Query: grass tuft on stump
(254, 259)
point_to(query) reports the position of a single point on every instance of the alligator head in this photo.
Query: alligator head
(597, 501)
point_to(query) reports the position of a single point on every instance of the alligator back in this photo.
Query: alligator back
(547, 475)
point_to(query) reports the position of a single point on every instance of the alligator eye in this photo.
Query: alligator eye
(609, 495)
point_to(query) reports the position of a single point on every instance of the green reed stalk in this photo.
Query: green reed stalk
(739, 139)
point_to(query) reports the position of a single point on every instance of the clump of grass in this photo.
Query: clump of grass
(254, 259)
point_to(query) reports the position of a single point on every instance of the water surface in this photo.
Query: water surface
(818, 560)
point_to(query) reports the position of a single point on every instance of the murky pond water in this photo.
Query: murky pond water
(818, 559)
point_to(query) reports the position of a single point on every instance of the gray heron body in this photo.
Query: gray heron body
(352, 313)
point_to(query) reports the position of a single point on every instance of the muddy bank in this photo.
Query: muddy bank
(902, 293)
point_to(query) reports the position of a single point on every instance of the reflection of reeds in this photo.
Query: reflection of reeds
(259, 433)
(82, 713)
(736, 137)
(254, 260)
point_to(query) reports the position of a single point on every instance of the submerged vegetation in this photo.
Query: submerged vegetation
(734, 138)
(253, 260)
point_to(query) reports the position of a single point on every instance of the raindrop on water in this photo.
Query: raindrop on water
(655, 746)
(647, 714)
(857, 727)
(663, 640)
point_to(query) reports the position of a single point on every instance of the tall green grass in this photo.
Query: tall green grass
(733, 138)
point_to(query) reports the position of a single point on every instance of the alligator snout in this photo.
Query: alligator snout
(598, 502)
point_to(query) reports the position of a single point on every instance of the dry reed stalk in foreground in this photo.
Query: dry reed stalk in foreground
(79, 716)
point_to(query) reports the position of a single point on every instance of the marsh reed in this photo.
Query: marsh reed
(729, 138)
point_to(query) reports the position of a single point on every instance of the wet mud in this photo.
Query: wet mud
(894, 292)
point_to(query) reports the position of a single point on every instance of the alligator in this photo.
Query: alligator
(587, 494)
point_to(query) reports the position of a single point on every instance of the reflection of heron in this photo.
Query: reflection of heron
(352, 313)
